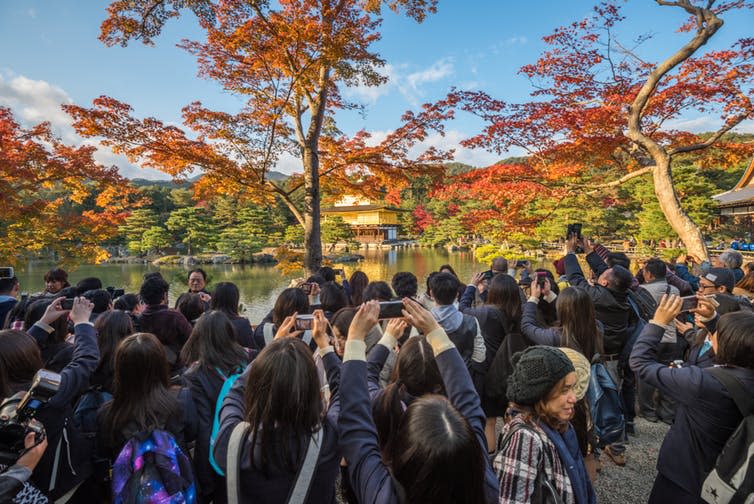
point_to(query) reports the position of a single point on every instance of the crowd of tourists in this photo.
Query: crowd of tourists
(514, 387)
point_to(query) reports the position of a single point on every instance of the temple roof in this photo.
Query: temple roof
(742, 192)
(360, 208)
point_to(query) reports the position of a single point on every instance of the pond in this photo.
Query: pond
(260, 285)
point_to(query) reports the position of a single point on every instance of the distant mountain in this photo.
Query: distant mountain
(140, 182)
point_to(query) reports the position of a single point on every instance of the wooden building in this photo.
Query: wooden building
(737, 205)
(371, 222)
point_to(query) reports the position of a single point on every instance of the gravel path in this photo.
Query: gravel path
(633, 482)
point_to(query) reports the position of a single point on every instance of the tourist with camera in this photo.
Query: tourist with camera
(67, 464)
(13, 480)
(433, 433)
(707, 413)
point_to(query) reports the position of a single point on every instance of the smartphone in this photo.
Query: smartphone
(7, 272)
(689, 303)
(306, 287)
(341, 272)
(118, 293)
(304, 322)
(67, 304)
(391, 309)
(487, 275)
(541, 276)
(574, 229)
(521, 264)
(24, 296)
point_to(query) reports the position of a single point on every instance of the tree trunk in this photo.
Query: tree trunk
(681, 223)
(312, 232)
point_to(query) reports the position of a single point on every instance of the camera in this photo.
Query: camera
(487, 275)
(17, 415)
(304, 322)
(306, 287)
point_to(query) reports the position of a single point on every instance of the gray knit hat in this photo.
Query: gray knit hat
(537, 370)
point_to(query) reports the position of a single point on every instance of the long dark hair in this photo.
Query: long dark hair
(505, 295)
(358, 282)
(578, 325)
(213, 344)
(112, 327)
(141, 395)
(226, 298)
(332, 297)
(34, 313)
(416, 374)
(282, 402)
(19, 360)
(290, 301)
(190, 304)
(432, 433)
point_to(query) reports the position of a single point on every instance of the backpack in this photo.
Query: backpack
(301, 485)
(227, 384)
(732, 477)
(85, 412)
(501, 367)
(605, 406)
(643, 302)
(151, 467)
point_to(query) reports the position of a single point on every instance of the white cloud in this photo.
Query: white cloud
(34, 101)
(407, 83)
(289, 164)
(704, 124)
(32, 13)
(437, 71)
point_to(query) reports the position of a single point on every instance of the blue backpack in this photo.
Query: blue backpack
(227, 384)
(85, 414)
(605, 406)
(151, 467)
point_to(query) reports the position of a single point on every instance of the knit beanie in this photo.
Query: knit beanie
(537, 370)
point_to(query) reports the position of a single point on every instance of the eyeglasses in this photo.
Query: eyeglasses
(702, 286)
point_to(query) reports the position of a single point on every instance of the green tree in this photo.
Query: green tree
(192, 226)
(253, 229)
(336, 230)
(155, 238)
(135, 226)
(294, 235)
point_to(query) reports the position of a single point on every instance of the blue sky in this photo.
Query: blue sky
(50, 55)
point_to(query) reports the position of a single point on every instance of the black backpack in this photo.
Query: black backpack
(644, 302)
(732, 478)
(496, 379)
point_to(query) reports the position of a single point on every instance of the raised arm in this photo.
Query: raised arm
(531, 329)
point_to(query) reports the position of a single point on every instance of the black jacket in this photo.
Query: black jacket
(74, 465)
(706, 414)
(611, 307)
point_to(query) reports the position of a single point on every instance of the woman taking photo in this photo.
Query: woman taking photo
(539, 448)
(433, 432)
(278, 410)
(707, 414)
(577, 327)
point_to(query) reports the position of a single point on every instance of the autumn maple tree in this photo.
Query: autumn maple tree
(602, 113)
(289, 61)
(56, 198)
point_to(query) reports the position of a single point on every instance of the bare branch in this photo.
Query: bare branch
(624, 178)
(729, 124)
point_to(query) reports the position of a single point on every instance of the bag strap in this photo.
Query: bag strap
(303, 482)
(269, 335)
(743, 400)
(235, 445)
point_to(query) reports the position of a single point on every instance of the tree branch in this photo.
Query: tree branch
(729, 124)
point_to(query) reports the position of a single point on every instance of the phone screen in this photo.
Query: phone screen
(391, 309)
(689, 303)
(304, 322)
(6, 272)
